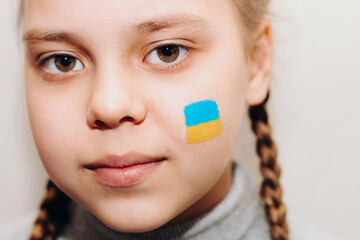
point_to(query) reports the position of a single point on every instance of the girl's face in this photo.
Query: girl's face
(104, 79)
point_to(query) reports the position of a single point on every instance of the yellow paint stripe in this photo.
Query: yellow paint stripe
(204, 131)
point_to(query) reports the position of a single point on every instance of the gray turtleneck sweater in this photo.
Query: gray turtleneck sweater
(240, 215)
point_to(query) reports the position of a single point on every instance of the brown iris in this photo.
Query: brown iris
(65, 63)
(168, 53)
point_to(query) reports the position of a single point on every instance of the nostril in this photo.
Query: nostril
(101, 125)
(128, 119)
(98, 124)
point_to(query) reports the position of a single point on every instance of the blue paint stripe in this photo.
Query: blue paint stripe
(201, 112)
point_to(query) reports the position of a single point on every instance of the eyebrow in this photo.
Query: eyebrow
(148, 27)
(168, 22)
(38, 35)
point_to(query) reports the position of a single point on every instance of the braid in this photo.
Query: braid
(271, 191)
(52, 216)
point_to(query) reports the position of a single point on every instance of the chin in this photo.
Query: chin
(131, 226)
(133, 221)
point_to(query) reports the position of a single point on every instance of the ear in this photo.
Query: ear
(260, 63)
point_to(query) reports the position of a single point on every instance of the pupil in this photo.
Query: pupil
(65, 60)
(168, 50)
(168, 53)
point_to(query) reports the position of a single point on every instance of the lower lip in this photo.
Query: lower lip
(125, 177)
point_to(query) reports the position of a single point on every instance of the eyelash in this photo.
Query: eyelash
(47, 60)
(170, 65)
(184, 50)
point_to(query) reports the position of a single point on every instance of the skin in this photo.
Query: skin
(139, 102)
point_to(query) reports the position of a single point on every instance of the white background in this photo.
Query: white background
(314, 107)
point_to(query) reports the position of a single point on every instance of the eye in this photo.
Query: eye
(62, 63)
(166, 54)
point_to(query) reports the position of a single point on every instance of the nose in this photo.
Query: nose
(114, 101)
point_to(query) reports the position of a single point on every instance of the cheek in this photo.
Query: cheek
(209, 119)
(56, 116)
(218, 109)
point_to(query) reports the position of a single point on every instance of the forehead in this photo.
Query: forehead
(107, 15)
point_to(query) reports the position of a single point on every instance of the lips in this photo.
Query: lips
(125, 170)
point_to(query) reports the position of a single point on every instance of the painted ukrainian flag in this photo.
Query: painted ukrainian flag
(202, 121)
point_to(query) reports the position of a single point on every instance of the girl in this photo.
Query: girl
(135, 107)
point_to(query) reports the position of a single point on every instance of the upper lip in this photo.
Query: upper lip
(122, 161)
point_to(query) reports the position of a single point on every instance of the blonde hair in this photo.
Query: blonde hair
(51, 221)
(252, 12)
